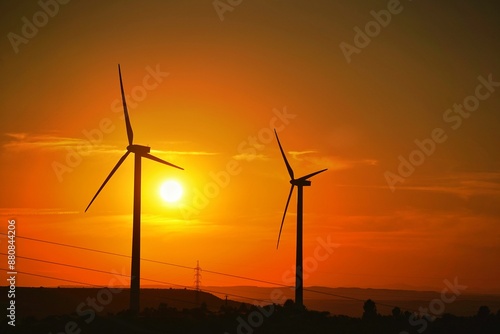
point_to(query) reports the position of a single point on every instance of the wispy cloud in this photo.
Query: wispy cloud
(35, 212)
(18, 136)
(25, 141)
(337, 163)
(464, 184)
(314, 157)
(184, 152)
(250, 157)
(296, 154)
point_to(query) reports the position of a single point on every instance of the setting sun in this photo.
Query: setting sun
(171, 191)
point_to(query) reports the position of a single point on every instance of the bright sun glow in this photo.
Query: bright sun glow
(171, 191)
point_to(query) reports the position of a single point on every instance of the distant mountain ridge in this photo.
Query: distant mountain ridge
(349, 301)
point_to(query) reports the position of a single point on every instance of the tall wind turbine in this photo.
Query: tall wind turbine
(299, 183)
(140, 151)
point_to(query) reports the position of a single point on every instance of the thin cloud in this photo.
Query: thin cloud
(464, 185)
(331, 162)
(338, 163)
(24, 142)
(296, 154)
(250, 157)
(184, 152)
(35, 212)
(18, 136)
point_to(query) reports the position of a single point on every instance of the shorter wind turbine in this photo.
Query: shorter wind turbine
(299, 183)
(140, 152)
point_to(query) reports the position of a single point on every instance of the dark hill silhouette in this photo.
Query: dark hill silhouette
(43, 302)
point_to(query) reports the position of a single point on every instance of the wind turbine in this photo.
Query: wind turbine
(140, 151)
(299, 183)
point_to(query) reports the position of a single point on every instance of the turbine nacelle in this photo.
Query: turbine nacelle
(300, 183)
(139, 149)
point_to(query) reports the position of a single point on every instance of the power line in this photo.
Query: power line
(163, 282)
(93, 285)
(179, 265)
(155, 261)
(99, 251)
(150, 260)
(54, 278)
(66, 265)
(114, 273)
(156, 297)
(191, 268)
(207, 271)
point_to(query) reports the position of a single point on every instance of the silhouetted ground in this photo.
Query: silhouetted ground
(254, 320)
(76, 311)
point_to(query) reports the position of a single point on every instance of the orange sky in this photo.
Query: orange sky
(220, 85)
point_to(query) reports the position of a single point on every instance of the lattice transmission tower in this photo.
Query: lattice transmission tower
(197, 281)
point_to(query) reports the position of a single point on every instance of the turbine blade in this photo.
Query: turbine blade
(290, 170)
(130, 133)
(152, 157)
(284, 214)
(312, 174)
(109, 177)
